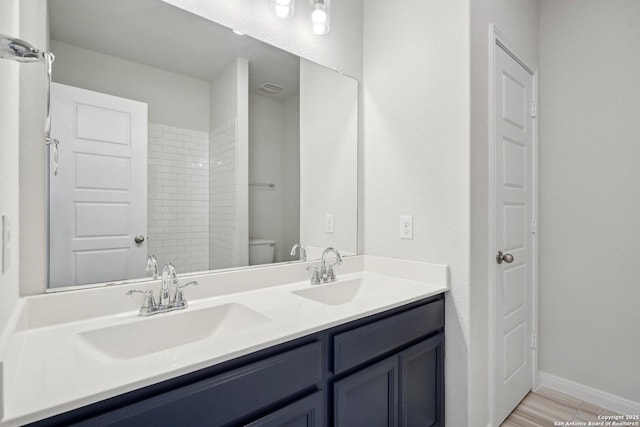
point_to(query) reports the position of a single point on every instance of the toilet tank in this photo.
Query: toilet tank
(261, 251)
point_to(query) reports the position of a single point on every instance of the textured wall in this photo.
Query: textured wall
(9, 148)
(178, 197)
(590, 193)
(33, 27)
(416, 154)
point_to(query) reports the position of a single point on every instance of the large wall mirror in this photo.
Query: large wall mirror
(184, 140)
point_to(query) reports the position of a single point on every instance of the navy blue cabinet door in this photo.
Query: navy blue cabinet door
(307, 412)
(421, 386)
(368, 398)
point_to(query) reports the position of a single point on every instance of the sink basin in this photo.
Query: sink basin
(337, 293)
(150, 335)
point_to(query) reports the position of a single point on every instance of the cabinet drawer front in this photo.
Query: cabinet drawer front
(359, 345)
(219, 400)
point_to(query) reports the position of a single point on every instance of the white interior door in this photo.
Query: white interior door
(514, 151)
(98, 200)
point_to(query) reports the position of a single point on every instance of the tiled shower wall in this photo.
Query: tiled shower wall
(178, 197)
(223, 202)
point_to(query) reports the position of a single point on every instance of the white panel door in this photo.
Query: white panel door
(98, 200)
(514, 200)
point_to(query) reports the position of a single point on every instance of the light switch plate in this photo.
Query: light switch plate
(406, 227)
(6, 244)
(328, 223)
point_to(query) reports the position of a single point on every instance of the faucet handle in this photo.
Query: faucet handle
(316, 276)
(331, 276)
(193, 282)
(149, 300)
(179, 298)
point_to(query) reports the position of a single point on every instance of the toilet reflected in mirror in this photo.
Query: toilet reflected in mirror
(261, 251)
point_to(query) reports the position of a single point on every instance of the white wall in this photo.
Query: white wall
(416, 155)
(9, 149)
(328, 157)
(290, 177)
(518, 21)
(590, 193)
(229, 156)
(173, 99)
(341, 49)
(33, 27)
(223, 210)
(266, 165)
(223, 214)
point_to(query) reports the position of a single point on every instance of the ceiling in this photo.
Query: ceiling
(159, 35)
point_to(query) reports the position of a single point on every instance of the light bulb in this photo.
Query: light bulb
(320, 29)
(282, 11)
(283, 8)
(319, 16)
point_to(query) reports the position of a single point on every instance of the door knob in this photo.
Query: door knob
(508, 258)
(139, 239)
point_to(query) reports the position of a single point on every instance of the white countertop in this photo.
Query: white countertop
(47, 371)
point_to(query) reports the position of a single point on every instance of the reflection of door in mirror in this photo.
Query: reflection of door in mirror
(98, 200)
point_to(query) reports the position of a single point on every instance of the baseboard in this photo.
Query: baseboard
(589, 394)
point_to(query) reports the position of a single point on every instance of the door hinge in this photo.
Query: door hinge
(534, 225)
(534, 341)
(534, 109)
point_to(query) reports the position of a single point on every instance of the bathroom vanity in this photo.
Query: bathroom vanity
(385, 369)
(255, 347)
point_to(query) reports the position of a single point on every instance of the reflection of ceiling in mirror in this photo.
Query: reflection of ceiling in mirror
(159, 35)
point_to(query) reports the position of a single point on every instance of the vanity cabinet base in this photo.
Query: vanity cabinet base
(321, 380)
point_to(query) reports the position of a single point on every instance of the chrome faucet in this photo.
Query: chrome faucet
(168, 279)
(165, 302)
(325, 273)
(303, 252)
(328, 275)
(152, 265)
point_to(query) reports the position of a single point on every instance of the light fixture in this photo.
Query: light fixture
(320, 16)
(240, 33)
(282, 8)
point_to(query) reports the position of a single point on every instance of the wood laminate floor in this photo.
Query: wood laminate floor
(544, 407)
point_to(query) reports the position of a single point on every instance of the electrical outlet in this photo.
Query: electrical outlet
(328, 223)
(6, 244)
(406, 227)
